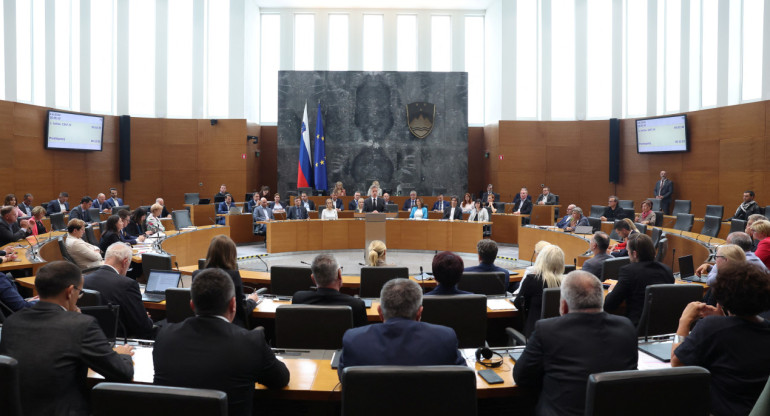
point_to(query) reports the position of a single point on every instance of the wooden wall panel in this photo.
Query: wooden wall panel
(268, 158)
(476, 174)
(252, 161)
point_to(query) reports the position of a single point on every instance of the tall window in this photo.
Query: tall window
(599, 59)
(753, 12)
(441, 43)
(734, 54)
(527, 58)
(304, 36)
(406, 42)
(695, 41)
(673, 42)
(180, 62)
(38, 52)
(709, 52)
(636, 58)
(373, 42)
(23, 51)
(563, 60)
(474, 65)
(339, 43)
(270, 50)
(101, 56)
(218, 67)
(2, 53)
(62, 21)
(141, 57)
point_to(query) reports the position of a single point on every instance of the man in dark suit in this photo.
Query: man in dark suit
(27, 204)
(613, 211)
(485, 195)
(113, 201)
(10, 230)
(563, 351)
(337, 202)
(111, 282)
(297, 212)
(453, 212)
(634, 278)
(60, 204)
(440, 205)
(522, 203)
(546, 198)
(101, 203)
(411, 202)
(600, 242)
(307, 203)
(353, 205)
(487, 250)
(222, 192)
(164, 213)
(664, 188)
(9, 293)
(250, 205)
(327, 275)
(207, 351)
(81, 211)
(375, 203)
(56, 345)
(401, 339)
(262, 213)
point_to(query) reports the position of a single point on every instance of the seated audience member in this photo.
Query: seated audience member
(327, 275)
(337, 202)
(353, 205)
(522, 203)
(276, 204)
(329, 213)
(490, 205)
(487, 251)
(625, 229)
(85, 255)
(222, 254)
(731, 339)
(297, 212)
(136, 227)
(577, 220)
(453, 212)
(546, 198)
(10, 230)
(262, 213)
(101, 203)
(401, 339)
(747, 208)
(634, 277)
(447, 270)
(10, 296)
(153, 222)
(55, 346)
(440, 204)
(761, 232)
(613, 211)
(485, 194)
(374, 203)
(224, 208)
(111, 233)
(60, 204)
(562, 352)
(386, 199)
(111, 282)
(10, 200)
(222, 192)
(531, 270)
(419, 211)
(647, 216)
(125, 218)
(376, 254)
(264, 192)
(164, 213)
(27, 204)
(467, 204)
(562, 223)
(479, 213)
(411, 202)
(253, 203)
(80, 212)
(309, 204)
(361, 206)
(741, 240)
(208, 352)
(599, 244)
(549, 268)
(113, 201)
(339, 189)
(36, 226)
(9, 254)
(752, 219)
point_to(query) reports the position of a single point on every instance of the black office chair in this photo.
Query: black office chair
(402, 390)
(57, 222)
(102, 227)
(374, 278)
(762, 406)
(684, 222)
(119, 207)
(90, 298)
(312, 326)
(655, 204)
(568, 268)
(629, 213)
(153, 261)
(597, 211)
(767, 211)
(63, 248)
(659, 217)
(466, 314)
(181, 218)
(287, 280)
(660, 249)
(483, 283)
(656, 233)
(641, 227)
(192, 198)
(90, 236)
(676, 391)
(500, 206)
(551, 300)
(391, 207)
(94, 214)
(611, 268)
(711, 225)
(118, 399)
(146, 208)
(737, 225)
(10, 395)
(178, 304)
(596, 223)
(681, 206)
(626, 204)
(556, 210)
(663, 306)
(716, 211)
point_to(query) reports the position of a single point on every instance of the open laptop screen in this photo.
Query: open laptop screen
(160, 280)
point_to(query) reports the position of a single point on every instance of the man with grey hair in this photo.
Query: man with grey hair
(115, 288)
(600, 242)
(412, 201)
(565, 221)
(327, 275)
(563, 351)
(401, 339)
(741, 240)
(262, 213)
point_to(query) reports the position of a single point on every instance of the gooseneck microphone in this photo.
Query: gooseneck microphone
(532, 259)
(267, 268)
(304, 262)
(673, 256)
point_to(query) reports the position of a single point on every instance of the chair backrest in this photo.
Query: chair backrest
(391, 207)
(568, 268)
(626, 203)
(146, 208)
(181, 218)
(118, 399)
(655, 203)
(466, 314)
(287, 280)
(103, 226)
(312, 326)
(656, 233)
(94, 213)
(500, 206)
(663, 306)
(90, 298)
(178, 304)
(90, 237)
(63, 247)
(677, 391)
(192, 198)
(767, 210)
(684, 222)
(366, 387)
(596, 211)
(681, 206)
(737, 225)
(716, 211)
(153, 261)
(550, 308)
(483, 283)
(641, 227)
(762, 406)
(659, 217)
(660, 249)
(596, 223)
(119, 207)
(611, 267)
(711, 225)
(374, 278)
(10, 396)
(57, 221)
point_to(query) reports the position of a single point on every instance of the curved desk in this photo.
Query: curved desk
(699, 245)
(575, 246)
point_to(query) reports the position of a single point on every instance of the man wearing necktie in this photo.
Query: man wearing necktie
(411, 202)
(664, 188)
(440, 205)
(375, 203)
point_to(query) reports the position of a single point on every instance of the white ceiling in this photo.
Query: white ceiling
(376, 4)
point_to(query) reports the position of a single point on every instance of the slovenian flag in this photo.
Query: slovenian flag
(320, 153)
(304, 172)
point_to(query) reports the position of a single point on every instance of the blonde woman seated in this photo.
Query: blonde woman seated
(549, 268)
(329, 213)
(153, 219)
(647, 216)
(531, 269)
(419, 211)
(360, 205)
(478, 213)
(85, 255)
(376, 255)
(339, 189)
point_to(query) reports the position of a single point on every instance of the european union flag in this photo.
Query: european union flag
(319, 162)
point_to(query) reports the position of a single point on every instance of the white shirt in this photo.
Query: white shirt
(451, 214)
(418, 213)
(329, 214)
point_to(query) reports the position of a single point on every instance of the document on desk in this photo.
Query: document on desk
(500, 305)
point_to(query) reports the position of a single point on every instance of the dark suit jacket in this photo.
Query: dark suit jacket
(530, 300)
(55, 206)
(549, 200)
(338, 204)
(134, 230)
(446, 205)
(123, 291)
(516, 199)
(562, 352)
(223, 208)
(109, 203)
(594, 264)
(353, 205)
(126, 238)
(408, 204)
(633, 278)
(26, 209)
(9, 294)
(326, 296)
(210, 353)
(78, 213)
(11, 232)
(271, 204)
(251, 204)
(617, 214)
(108, 238)
(55, 348)
(95, 204)
(310, 205)
(458, 212)
(369, 205)
(526, 206)
(242, 306)
(294, 213)
(668, 189)
(485, 195)
(399, 341)
(447, 290)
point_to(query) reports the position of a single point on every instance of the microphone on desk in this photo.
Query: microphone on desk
(574, 261)
(267, 268)
(304, 262)
(213, 221)
(673, 256)
(261, 290)
(176, 265)
(532, 259)
(361, 264)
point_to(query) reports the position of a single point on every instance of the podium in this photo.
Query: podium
(374, 229)
(543, 214)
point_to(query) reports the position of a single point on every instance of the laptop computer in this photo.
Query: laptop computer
(107, 318)
(687, 269)
(659, 350)
(584, 229)
(204, 201)
(157, 283)
(235, 211)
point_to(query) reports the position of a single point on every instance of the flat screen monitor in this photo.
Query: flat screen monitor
(73, 131)
(662, 134)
